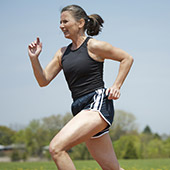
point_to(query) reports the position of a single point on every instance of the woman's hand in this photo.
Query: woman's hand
(113, 93)
(35, 48)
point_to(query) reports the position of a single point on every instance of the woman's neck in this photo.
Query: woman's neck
(77, 41)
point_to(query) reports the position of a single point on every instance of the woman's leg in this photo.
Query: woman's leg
(102, 151)
(79, 129)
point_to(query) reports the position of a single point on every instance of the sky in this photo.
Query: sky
(141, 28)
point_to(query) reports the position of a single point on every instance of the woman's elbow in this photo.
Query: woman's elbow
(43, 84)
(131, 59)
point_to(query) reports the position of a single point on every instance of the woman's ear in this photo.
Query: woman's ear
(81, 23)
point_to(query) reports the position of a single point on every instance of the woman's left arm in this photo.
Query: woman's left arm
(106, 51)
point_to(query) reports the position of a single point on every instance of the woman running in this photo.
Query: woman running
(82, 63)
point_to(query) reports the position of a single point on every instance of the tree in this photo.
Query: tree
(6, 135)
(147, 130)
(40, 132)
(123, 123)
(166, 147)
(155, 149)
(130, 152)
(54, 123)
(19, 137)
(15, 156)
(36, 138)
(128, 146)
(157, 136)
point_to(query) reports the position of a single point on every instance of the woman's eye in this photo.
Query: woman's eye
(63, 22)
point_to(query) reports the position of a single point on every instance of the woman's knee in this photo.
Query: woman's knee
(55, 147)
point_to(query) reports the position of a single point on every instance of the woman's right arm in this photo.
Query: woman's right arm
(44, 76)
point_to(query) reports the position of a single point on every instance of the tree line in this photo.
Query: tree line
(128, 142)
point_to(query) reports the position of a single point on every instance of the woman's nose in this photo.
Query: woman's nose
(61, 26)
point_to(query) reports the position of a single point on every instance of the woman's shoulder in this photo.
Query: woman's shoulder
(63, 49)
(94, 44)
(97, 46)
(60, 52)
(94, 47)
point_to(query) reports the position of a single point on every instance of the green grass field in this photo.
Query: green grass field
(154, 164)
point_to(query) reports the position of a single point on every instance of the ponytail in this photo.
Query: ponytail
(94, 24)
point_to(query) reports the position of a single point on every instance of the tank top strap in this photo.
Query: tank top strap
(86, 40)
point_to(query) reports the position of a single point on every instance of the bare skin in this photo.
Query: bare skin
(105, 156)
(86, 123)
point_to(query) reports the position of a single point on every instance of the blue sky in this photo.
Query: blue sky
(139, 27)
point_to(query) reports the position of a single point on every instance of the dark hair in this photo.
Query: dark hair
(93, 23)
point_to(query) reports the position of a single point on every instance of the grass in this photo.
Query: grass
(148, 164)
(154, 164)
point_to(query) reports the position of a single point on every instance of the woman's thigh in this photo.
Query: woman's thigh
(102, 151)
(79, 129)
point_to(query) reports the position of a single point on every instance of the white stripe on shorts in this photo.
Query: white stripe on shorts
(98, 101)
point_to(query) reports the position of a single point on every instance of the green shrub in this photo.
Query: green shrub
(15, 156)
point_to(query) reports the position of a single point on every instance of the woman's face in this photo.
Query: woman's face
(68, 25)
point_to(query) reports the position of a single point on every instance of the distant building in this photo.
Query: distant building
(6, 150)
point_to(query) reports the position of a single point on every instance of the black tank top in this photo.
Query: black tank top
(83, 74)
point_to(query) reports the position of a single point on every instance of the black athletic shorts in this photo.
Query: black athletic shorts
(97, 101)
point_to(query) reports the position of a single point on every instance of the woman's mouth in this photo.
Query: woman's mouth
(65, 32)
